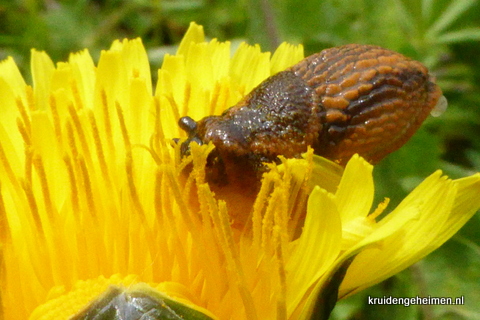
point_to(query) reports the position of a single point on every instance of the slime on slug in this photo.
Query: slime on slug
(344, 100)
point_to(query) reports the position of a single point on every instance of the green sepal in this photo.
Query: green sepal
(328, 293)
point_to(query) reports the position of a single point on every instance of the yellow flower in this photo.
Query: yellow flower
(94, 195)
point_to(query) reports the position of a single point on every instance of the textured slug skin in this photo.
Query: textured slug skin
(374, 99)
(344, 100)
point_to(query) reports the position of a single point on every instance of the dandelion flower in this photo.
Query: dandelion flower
(97, 213)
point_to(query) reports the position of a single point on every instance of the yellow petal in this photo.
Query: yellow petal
(83, 75)
(433, 200)
(42, 71)
(285, 56)
(467, 202)
(250, 58)
(135, 58)
(12, 92)
(194, 34)
(326, 174)
(11, 76)
(321, 237)
(355, 193)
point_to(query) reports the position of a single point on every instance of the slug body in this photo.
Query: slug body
(344, 100)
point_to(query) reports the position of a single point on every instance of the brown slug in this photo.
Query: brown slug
(344, 100)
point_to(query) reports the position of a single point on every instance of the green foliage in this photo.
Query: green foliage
(444, 34)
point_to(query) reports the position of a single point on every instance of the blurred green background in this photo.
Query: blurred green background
(443, 34)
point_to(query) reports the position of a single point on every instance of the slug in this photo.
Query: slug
(344, 100)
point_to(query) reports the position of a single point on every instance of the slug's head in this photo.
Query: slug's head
(278, 117)
(224, 164)
(200, 132)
